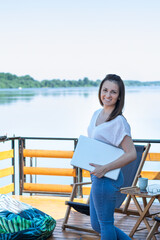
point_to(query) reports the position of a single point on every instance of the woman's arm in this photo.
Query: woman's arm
(129, 156)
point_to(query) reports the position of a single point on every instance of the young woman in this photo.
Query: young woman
(109, 125)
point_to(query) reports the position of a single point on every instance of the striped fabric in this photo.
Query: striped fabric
(21, 221)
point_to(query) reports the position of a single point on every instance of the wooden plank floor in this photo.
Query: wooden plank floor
(55, 206)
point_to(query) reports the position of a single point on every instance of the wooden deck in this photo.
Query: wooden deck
(55, 206)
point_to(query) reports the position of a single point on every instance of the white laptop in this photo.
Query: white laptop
(89, 150)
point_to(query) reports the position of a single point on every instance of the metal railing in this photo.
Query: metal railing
(21, 153)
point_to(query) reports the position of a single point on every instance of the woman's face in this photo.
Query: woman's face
(109, 93)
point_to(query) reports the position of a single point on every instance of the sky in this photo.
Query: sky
(73, 39)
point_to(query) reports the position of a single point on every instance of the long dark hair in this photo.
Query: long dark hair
(120, 102)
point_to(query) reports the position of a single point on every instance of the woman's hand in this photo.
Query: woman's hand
(99, 171)
(128, 156)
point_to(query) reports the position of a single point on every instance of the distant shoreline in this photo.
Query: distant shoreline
(8, 80)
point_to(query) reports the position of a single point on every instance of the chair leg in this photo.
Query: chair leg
(152, 231)
(66, 217)
(69, 207)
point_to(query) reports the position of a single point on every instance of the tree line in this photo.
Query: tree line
(8, 80)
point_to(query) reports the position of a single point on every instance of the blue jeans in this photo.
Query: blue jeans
(102, 206)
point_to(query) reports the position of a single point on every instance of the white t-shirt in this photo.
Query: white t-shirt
(111, 132)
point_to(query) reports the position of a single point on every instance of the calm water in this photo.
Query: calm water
(67, 112)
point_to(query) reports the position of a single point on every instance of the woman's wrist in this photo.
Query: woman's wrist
(107, 168)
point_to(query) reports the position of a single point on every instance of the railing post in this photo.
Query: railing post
(75, 179)
(80, 179)
(21, 164)
(13, 162)
(79, 175)
(31, 165)
(35, 166)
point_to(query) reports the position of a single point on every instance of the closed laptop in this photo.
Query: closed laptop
(89, 150)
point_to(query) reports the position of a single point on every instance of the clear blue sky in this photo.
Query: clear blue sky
(73, 39)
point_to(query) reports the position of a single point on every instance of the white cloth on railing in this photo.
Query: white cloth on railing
(154, 188)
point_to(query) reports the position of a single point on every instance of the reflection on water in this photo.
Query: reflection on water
(8, 96)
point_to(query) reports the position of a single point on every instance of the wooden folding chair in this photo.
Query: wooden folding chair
(131, 173)
(154, 228)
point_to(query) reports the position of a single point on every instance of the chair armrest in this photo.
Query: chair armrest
(126, 188)
(80, 183)
(75, 185)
